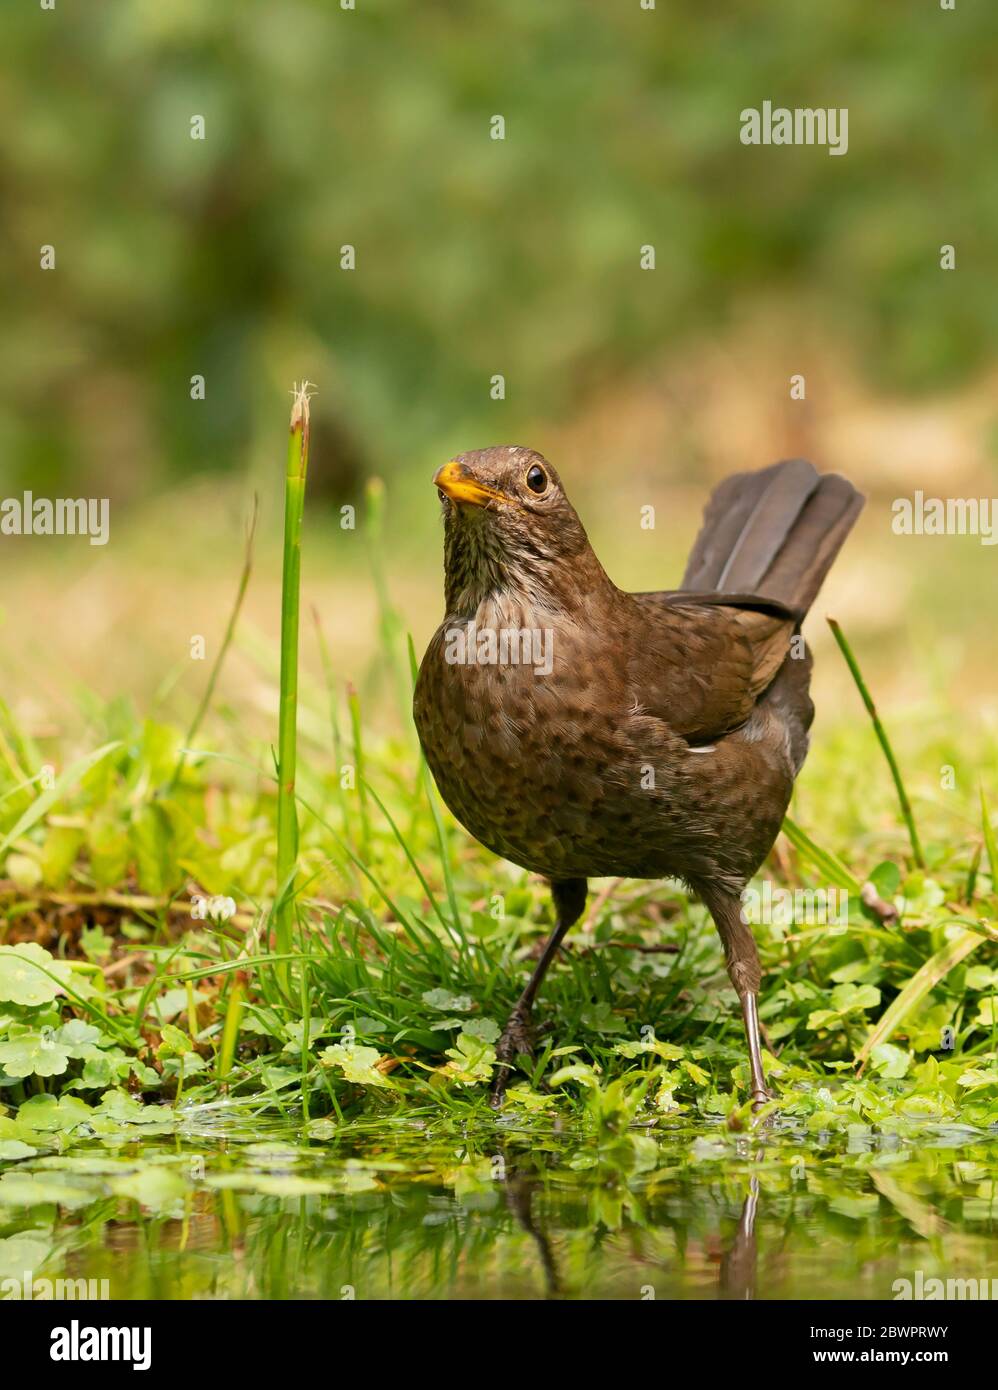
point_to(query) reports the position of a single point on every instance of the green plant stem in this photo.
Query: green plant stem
(287, 740)
(881, 732)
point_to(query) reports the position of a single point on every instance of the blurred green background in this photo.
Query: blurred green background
(370, 127)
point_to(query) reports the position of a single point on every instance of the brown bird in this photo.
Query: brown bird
(583, 732)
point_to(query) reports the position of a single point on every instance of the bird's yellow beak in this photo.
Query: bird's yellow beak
(455, 480)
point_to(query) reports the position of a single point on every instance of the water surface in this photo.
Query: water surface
(236, 1205)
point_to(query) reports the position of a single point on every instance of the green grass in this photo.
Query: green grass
(417, 942)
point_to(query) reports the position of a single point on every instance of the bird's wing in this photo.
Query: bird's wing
(700, 662)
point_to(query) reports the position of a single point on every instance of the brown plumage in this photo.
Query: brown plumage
(582, 732)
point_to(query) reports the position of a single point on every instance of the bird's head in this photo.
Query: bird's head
(510, 529)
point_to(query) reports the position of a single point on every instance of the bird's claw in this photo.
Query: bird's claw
(516, 1040)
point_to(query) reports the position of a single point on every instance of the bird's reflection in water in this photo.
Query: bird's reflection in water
(519, 1189)
(737, 1278)
(738, 1264)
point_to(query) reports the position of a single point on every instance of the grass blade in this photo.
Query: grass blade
(230, 629)
(453, 929)
(884, 741)
(830, 865)
(357, 737)
(230, 1030)
(334, 721)
(989, 842)
(438, 821)
(935, 969)
(48, 798)
(389, 625)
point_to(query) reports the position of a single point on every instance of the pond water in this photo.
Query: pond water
(232, 1205)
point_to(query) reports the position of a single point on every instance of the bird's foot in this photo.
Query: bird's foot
(516, 1039)
(760, 1098)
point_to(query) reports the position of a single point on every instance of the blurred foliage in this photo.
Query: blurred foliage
(370, 127)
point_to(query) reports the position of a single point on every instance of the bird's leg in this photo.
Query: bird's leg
(517, 1036)
(569, 899)
(742, 959)
(750, 1013)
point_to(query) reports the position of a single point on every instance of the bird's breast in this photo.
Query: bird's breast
(525, 728)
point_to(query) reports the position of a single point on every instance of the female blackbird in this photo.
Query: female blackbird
(581, 731)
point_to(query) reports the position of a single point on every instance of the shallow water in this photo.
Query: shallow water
(234, 1205)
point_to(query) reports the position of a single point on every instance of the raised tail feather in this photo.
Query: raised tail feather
(774, 533)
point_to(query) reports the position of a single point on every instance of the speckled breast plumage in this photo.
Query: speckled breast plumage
(563, 774)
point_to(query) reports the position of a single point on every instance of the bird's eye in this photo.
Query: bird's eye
(537, 479)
